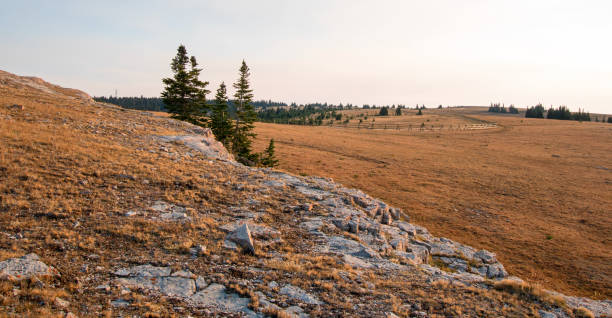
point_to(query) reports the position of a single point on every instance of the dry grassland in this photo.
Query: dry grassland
(71, 169)
(536, 192)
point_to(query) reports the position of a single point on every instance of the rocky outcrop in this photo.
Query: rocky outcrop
(183, 285)
(34, 83)
(26, 267)
(299, 295)
(205, 143)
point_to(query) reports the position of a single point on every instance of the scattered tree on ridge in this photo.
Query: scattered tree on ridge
(185, 95)
(268, 157)
(245, 117)
(383, 112)
(220, 121)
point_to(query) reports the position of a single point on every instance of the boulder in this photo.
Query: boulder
(496, 271)
(485, 256)
(259, 231)
(242, 237)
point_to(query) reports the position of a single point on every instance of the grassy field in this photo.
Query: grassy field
(537, 192)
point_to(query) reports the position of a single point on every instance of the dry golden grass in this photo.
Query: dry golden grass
(63, 192)
(536, 192)
(529, 292)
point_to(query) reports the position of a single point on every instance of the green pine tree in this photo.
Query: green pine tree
(220, 121)
(185, 95)
(268, 158)
(245, 118)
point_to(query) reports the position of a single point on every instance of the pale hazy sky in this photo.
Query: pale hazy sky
(454, 52)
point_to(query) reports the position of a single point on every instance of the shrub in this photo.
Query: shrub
(582, 312)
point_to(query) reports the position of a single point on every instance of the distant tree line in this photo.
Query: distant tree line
(559, 113)
(157, 103)
(140, 103)
(536, 111)
(311, 114)
(499, 108)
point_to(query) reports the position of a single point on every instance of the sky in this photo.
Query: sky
(448, 52)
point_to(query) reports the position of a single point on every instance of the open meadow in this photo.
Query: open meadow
(537, 192)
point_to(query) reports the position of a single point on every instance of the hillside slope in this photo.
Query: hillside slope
(105, 211)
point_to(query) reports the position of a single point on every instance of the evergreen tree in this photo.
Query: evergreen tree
(383, 111)
(536, 111)
(220, 121)
(420, 112)
(268, 158)
(398, 111)
(185, 95)
(245, 117)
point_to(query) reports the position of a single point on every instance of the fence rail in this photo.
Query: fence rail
(404, 126)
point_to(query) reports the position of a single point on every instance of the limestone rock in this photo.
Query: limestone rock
(27, 266)
(159, 279)
(485, 256)
(259, 231)
(296, 311)
(204, 143)
(356, 262)
(200, 283)
(217, 297)
(242, 237)
(299, 294)
(546, 314)
(144, 271)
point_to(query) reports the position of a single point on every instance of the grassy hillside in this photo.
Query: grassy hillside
(100, 216)
(537, 192)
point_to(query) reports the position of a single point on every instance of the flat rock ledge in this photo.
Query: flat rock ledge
(184, 285)
(25, 267)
